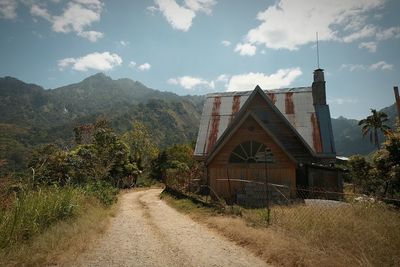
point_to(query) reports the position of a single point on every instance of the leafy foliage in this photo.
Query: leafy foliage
(382, 176)
(141, 145)
(179, 157)
(31, 116)
(33, 211)
(106, 159)
(372, 124)
(103, 191)
(178, 169)
(359, 171)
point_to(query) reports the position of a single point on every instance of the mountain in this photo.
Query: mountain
(99, 93)
(31, 115)
(348, 137)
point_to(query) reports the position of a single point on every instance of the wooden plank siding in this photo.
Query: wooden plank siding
(282, 171)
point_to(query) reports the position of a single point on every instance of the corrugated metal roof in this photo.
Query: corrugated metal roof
(311, 121)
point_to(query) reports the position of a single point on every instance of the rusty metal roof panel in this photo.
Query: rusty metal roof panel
(296, 104)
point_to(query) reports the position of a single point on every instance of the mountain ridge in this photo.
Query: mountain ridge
(31, 115)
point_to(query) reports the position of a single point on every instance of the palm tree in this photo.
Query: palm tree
(372, 124)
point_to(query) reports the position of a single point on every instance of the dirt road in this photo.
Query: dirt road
(147, 232)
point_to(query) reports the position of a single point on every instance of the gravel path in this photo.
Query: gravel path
(147, 232)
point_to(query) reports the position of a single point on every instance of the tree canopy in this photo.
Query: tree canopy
(374, 123)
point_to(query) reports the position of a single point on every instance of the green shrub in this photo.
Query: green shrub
(103, 191)
(33, 211)
(145, 181)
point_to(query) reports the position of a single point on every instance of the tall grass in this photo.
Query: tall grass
(33, 211)
(367, 234)
(356, 234)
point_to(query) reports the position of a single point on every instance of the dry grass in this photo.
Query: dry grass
(364, 234)
(60, 243)
(354, 235)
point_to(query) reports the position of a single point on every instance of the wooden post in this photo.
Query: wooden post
(266, 188)
(396, 94)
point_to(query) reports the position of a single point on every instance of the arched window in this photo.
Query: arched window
(251, 152)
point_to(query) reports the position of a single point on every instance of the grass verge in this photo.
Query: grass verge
(51, 225)
(363, 235)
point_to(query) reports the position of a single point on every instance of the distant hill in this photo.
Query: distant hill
(348, 137)
(31, 115)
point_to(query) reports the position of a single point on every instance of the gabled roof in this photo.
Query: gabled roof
(312, 122)
(282, 132)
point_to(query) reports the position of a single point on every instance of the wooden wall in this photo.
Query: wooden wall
(282, 171)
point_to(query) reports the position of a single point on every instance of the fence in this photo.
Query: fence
(280, 204)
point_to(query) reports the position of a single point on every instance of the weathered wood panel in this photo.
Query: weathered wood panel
(282, 171)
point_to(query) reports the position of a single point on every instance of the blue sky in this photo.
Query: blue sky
(201, 46)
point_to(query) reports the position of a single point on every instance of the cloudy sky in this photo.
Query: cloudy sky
(202, 46)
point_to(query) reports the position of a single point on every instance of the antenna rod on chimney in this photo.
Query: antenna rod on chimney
(317, 51)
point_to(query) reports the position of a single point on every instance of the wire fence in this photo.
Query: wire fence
(280, 204)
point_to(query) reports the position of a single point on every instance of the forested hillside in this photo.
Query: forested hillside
(31, 115)
(348, 137)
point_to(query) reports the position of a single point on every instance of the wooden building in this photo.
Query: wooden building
(276, 136)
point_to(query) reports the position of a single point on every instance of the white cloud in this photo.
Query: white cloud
(226, 43)
(222, 78)
(246, 49)
(180, 17)
(248, 81)
(132, 64)
(200, 5)
(341, 101)
(289, 24)
(96, 61)
(145, 66)
(366, 31)
(352, 67)
(392, 32)
(124, 43)
(381, 65)
(370, 46)
(152, 9)
(240, 82)
(92, 36)
(38, 11)
(191, 83)
(8, 9)
(76, 17)
(173, 81)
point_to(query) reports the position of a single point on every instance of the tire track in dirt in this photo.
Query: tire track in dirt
(147, 232)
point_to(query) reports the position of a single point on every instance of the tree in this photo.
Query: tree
(372, 124)
(141, 145)
(113, 156)
(49, 165)
(105, 159)
(359, 170)
(392, 146)
(178, 159)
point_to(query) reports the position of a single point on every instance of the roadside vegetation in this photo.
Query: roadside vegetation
(378, 176)
(362, 230)
(362, 234)
(67, 195)
(50, 225)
